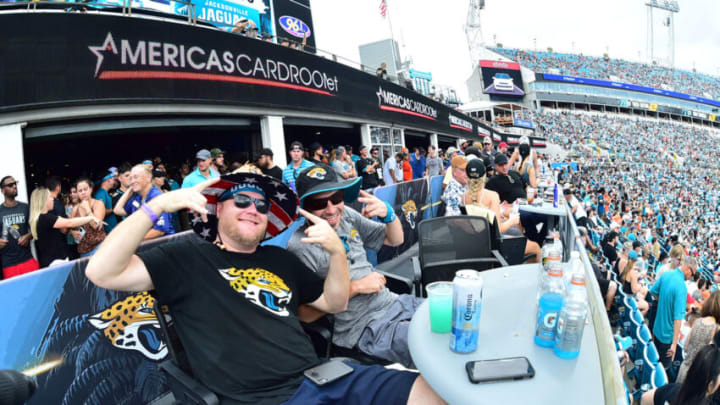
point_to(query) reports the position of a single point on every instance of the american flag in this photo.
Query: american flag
(383, 8)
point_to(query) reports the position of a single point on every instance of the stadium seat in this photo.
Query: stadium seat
(659, 377)
(448, 244)
(184, 387)
(637, 317)
(400, 272)
(644, 338)
(649, 363)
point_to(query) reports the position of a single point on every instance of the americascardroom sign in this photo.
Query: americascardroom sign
(77, 59)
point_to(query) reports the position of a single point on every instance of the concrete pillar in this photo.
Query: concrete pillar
(273, 137)
(365, 138)
(13, 156)
(434, 140)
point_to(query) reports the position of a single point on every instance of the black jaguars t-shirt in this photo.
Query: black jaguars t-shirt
(236, 315)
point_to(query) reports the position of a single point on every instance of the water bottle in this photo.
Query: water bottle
(551, 254)
(571, 322)
(545, 252)
(576, 267)
(555, 196)
(552, 298)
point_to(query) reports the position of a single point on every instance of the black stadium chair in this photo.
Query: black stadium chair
(400, 273)
(512, 248)
(184, 387)
(449, 244)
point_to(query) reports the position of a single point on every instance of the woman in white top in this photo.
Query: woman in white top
(486, 203)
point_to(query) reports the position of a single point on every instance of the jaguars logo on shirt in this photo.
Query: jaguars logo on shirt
(354, 235)
(409, 210)
(317, 173)
(260, 287)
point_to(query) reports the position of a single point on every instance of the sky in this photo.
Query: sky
(431, 32)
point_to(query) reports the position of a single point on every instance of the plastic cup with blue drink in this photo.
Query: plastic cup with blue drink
(440, 297)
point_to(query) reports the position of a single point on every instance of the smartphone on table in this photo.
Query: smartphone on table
(511, 368)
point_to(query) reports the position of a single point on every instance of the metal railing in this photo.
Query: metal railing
(612, 375)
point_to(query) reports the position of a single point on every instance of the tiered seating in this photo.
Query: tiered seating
(681, 81)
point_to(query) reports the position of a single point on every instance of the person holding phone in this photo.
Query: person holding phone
(243, 346)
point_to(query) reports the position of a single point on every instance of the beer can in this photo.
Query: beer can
(467, 302)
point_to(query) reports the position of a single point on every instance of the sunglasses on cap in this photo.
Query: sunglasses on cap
(243, 201)
(321, 203)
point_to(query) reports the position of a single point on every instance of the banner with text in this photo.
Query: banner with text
(112, 59)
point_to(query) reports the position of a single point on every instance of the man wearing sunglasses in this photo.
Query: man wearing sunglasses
(15, 233)
(376, 320)
(235, 303)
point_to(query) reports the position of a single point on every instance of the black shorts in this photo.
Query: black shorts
(366, 385)
(604, 284)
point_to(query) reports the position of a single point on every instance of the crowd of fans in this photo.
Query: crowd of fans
(591, 67)
(654, 178)
(72, 221)
(646, 193)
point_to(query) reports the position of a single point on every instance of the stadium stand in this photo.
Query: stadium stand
(591, 67)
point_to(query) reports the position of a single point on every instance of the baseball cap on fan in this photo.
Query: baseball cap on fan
(203, 154)
(322, 178)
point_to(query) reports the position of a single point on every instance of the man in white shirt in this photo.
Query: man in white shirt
(577, 208)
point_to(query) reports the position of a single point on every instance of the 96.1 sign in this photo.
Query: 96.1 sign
(294, 26)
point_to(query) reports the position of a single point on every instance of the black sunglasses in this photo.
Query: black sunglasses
(243, 201)
(10, 184)
(321, 203)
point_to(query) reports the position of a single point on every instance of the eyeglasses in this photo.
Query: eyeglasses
(243, 201)
(13, 184)
(321, 203)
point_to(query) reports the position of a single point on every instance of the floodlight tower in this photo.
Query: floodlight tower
(672, 7)
(473, 30)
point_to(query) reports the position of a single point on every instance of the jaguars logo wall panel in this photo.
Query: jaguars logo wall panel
(102, 346)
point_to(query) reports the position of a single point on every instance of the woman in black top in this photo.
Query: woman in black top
(50, 243)
(700, 385)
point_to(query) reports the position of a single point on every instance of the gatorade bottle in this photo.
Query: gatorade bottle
(571, 323)
(552, 297)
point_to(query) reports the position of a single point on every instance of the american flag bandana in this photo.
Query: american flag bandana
(283, 203)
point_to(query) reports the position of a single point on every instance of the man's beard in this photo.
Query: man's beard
(231, 231)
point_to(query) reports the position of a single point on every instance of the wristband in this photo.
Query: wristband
(150, 213)
(390, 217)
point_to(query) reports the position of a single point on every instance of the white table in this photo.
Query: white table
(545, 208)
(507, 327)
